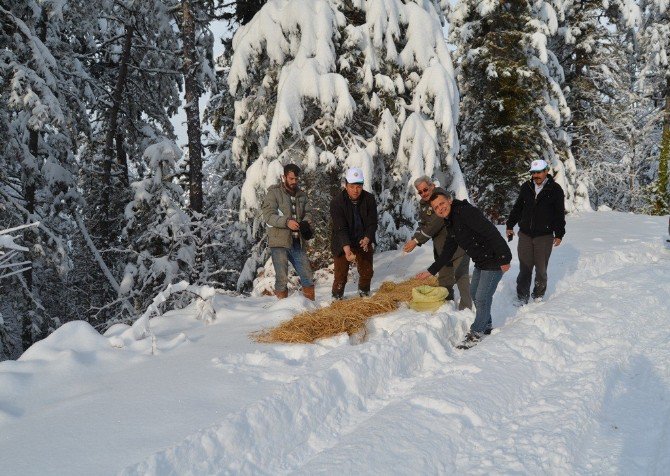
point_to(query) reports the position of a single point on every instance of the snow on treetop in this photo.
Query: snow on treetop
(161, 156)
(286, 28)
(302, 79)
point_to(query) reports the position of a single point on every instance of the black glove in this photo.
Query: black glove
(306, 230)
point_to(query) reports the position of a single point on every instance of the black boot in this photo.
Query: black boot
(471, 340)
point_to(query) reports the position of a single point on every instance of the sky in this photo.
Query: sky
(576, 384)
(219, 29)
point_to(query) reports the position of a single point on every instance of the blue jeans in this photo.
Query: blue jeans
(298, 258)
(483, 285)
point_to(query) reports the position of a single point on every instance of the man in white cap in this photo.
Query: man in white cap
(353, 212)
(540, 212)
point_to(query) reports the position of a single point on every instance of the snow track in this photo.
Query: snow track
(317, 408)
(577, 384)
(544, 394)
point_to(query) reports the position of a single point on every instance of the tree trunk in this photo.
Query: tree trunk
(112, 133)
(192, 94)
(122, 160)
(29, 240)
(662, 202)
(30, 237)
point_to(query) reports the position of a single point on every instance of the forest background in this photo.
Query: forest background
(101, 210)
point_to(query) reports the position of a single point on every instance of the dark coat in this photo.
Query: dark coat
(541, 215)
(342, 216)
(473, 232)
(433, 227)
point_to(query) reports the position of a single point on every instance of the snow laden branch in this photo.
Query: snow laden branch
(9, 267)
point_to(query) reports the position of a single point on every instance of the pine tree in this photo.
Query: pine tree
(513, 110)
(594, 45)
(42, 121)
(133, 56)
(656, 85)
(296, 76)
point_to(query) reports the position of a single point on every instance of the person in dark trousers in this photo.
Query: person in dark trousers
(433, 227)
(472, 231)
(353, 212)
(540, 212)
(285, 211)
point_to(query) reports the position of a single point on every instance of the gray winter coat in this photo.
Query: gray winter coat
(276, 211)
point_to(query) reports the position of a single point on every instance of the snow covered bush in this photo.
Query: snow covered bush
(329, 84)
(158, 231)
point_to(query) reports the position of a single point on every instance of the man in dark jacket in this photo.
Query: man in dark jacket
(353, 212)
(285, 210)
(433, 227)
(472, 231)
(540, 212)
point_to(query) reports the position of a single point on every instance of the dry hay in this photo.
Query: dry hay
(347, 315)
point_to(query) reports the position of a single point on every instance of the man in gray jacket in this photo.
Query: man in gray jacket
(433, 227)
(287, 214)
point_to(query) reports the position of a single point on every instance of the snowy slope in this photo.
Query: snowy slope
(579, 383)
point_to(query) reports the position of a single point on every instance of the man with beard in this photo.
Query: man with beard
(540, 212)
(286, 212)
(353, 212)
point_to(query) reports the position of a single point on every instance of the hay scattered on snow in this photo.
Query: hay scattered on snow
(341, 316)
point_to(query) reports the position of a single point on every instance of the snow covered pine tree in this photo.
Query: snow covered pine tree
(513, 109)
(328, 84)
(593, 44)
(158, 230)
(41, 121)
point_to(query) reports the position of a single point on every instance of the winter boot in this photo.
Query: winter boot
(308, 292)
(471, 340)
(281, 294)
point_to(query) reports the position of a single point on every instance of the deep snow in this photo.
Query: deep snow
(577, 384)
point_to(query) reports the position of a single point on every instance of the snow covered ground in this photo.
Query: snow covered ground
(577, 384)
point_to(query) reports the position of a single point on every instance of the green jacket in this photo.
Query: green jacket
(276, 211)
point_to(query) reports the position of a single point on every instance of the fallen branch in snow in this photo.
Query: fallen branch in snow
(347, 315)
(141, 328)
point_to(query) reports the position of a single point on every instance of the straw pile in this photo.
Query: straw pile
(341, 316)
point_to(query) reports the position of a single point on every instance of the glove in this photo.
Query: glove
(306, 230)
